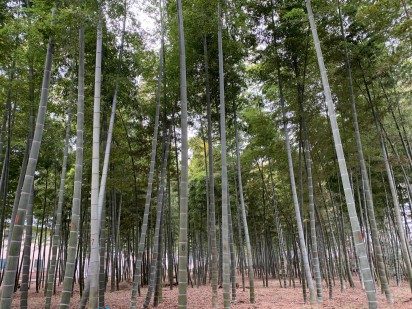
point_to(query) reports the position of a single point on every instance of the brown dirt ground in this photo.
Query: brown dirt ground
(271, 297)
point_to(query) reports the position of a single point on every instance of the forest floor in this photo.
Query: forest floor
(270, 297)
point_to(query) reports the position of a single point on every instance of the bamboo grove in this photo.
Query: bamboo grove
(191, 143)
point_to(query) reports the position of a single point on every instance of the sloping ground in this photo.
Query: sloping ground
(271, 297)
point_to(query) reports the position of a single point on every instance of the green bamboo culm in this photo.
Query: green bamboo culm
(142, 239)
(24, 287)
(183, 244)
(160, 201)
(57, 229)
(354, 221)
(94, 266)
(365, 178)
(249, 258)
(304, 253)
(212, 213)
(13, 252)
(77, 190)
(225, 222)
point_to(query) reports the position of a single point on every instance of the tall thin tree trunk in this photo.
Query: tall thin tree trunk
(240, 238)
(103, 180)
(57, 228)
(24, 287)
(357, 234)
(206, 264)
(365, 178)
(294, 194)
(93, 276)
(102, 252)
(183, 243)
(232, 252)
(143, 231)
(158, 295)
(40, 262)
(279, 230)
(225, 222)
(315, 252)
(29, 219)
(76, 203)
(395, 201)
(169, 236)
(244, 219)
(13, 252)
(160, 196)
(212, 215)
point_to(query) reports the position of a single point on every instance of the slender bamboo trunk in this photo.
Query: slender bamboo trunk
(395, 201)
(24, 287)
(40, 261)
(240, 238)
(314, 246)
(244, 220)
(325, 244)
(94, 265)
(102, 187)
(13, 252)
(357, 235)
(225, 223)
(206, 264)
(294, 194)
(160, 196)
(232, 253)
(183, 211)
(305, 226)
(212, 215)
(15, 205)
(279, 230)
(76, 203)
(112, 241)
(169, 235)
(158, 295)
(102, 253)
(57, 229)
(365, 178)
(143, 231)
